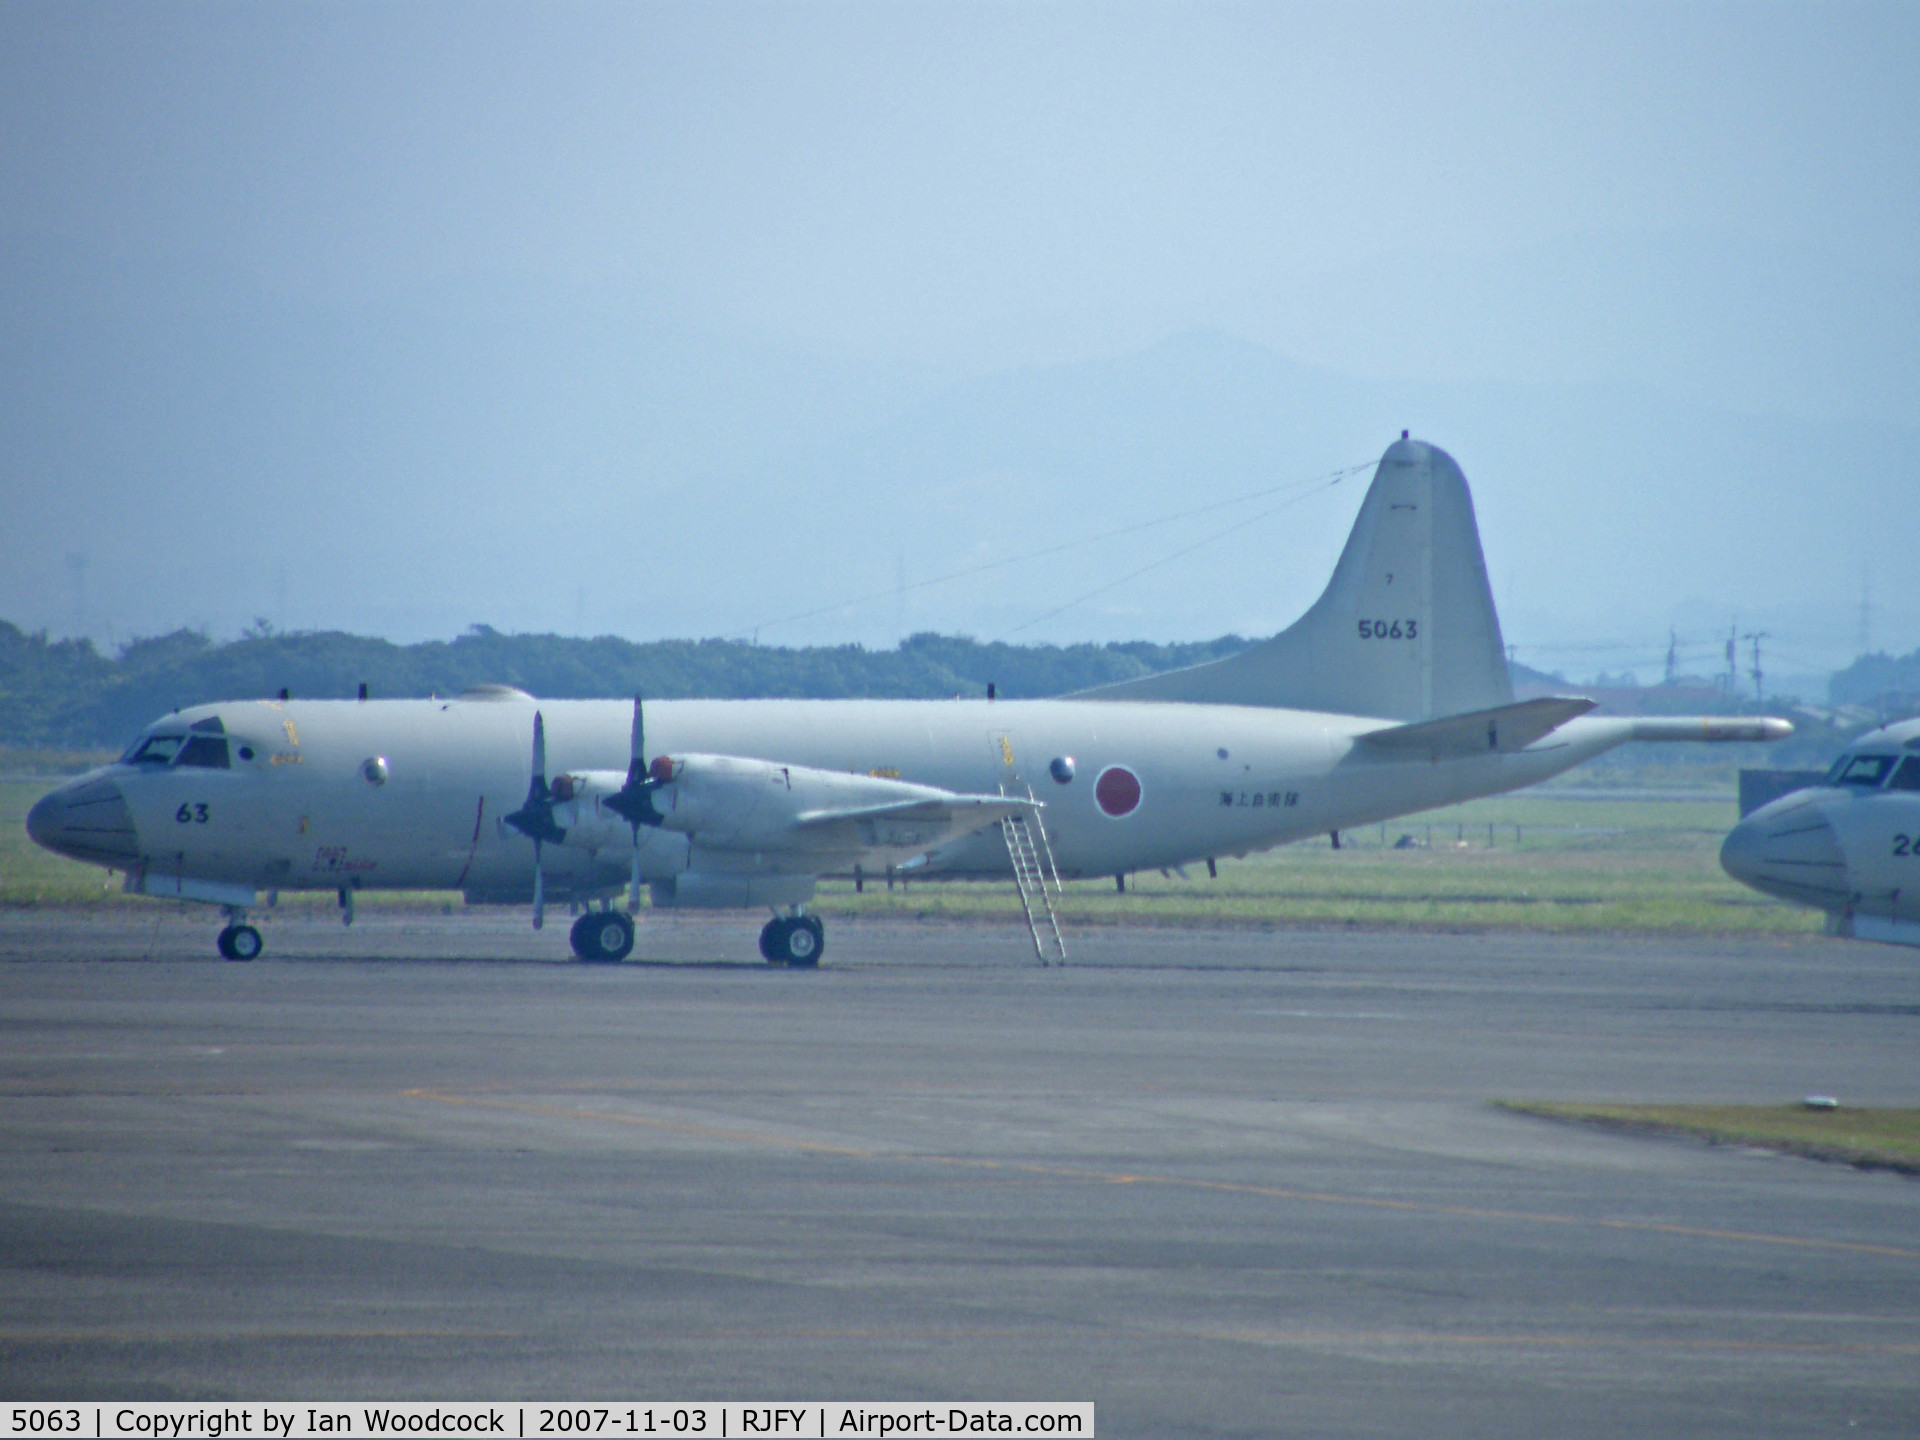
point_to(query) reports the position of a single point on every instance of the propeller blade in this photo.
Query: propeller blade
(539, 889)
(634, 804)
(535, 818)
(633, 801)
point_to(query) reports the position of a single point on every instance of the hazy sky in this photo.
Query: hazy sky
(397, 317)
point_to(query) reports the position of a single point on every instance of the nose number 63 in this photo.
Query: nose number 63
(194, 814)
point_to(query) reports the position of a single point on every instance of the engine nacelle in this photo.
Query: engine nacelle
(728, 803)
(724, 818)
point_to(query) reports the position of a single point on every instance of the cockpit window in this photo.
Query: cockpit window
(207, 751)
(1907, 777)
(1864, 772)
(154, 750)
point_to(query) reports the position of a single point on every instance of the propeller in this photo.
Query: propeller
(633, 801)
(535, 818)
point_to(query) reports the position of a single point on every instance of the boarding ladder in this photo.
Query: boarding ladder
(1036, 877)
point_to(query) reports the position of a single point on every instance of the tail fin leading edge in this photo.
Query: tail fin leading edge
(1405, 630)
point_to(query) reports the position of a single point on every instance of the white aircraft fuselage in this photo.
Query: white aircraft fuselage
(1211, 780)
(1391, 695)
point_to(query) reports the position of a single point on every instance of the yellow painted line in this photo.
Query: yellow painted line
(1595, 1342)
(1224, 1187)
(823, 1333)
(710, 1132)
(137, 1337)
(1469, 1212)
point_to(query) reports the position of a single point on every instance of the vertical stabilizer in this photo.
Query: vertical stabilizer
(1405, 629)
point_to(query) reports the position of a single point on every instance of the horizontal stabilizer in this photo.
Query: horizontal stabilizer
(1499, 731)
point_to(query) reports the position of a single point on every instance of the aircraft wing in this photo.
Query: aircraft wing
(895, 831)
(1499, 731)
(794, 818)
(981, 809)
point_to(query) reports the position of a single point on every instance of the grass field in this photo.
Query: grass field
(1549, 862)
(1882, 1139)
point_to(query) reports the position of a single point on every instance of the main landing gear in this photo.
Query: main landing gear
(603, 935)
(794, 940)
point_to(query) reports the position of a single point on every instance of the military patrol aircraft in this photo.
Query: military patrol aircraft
(1390, 695)
(1849, 846)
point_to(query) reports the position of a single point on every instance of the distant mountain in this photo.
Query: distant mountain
(587, 463)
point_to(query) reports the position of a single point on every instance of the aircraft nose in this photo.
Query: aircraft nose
(1788, 849)
(87, 820)
(47, 819)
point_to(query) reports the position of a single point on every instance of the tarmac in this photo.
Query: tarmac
(1220, 1182)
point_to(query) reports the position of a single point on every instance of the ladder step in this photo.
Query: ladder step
(1030, 880)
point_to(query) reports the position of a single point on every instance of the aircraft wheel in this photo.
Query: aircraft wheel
(795, 941)
(806, 938)
(603, 935)
(240, 942)
(773, 940)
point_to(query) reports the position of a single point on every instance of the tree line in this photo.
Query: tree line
(66, 694)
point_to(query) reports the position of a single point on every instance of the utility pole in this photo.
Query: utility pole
(1673, 644)
(1756, 637)
(1733, 670)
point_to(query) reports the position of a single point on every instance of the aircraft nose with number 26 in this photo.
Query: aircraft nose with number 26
(1390, 695)
(1849, 846)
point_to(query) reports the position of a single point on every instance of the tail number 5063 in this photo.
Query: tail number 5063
(1389, 629)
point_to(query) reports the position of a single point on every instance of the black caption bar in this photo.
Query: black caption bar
(420, 1419)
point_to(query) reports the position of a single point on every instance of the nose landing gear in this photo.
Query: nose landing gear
(793, 940)
(239, 941)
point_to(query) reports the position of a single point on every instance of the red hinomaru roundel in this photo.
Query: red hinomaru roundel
(1117, 791)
